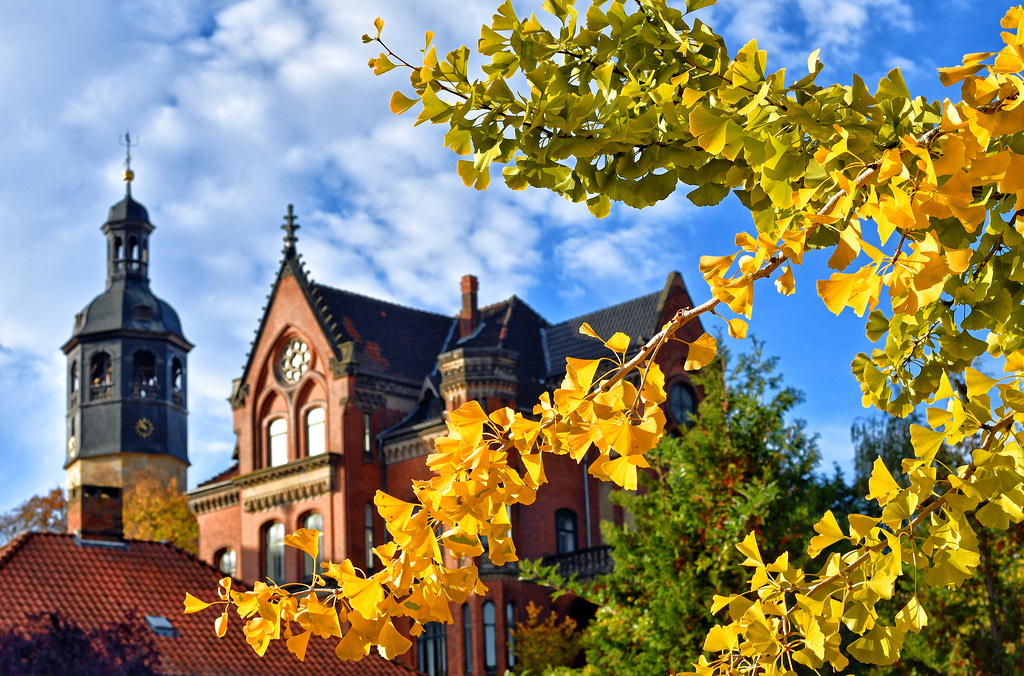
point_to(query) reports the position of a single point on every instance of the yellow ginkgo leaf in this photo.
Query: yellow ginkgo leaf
(737, 328)
(194, 605)
(297, 645)
(978, 383)
(618, 343)
(586, 330)
(828, 533)
(785, 284)
(881, 485)
(220, 625)
(306, 539)
(720, 639)
(749, 549)
(701, 352)
(927, 442)
(391, 643)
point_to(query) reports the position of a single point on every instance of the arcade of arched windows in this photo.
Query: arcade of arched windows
(291, 419)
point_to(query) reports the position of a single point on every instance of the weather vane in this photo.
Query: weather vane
(126, 141)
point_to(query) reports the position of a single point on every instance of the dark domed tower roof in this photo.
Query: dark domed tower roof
(128, 210)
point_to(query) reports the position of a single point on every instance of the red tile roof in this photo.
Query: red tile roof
(93, 584)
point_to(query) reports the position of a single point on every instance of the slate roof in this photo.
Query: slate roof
(636, 318)
(94, 584)
(391, 340)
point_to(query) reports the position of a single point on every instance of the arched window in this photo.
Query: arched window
(565, 531)
(432, 651)
(118, 254)
(490, 638)
(133, 253)
(313, 521)
(177, 383)
(100, 376)
(316, 431)
(368, 535)
(226, 561)
(277, 441)
(73, 382)
(467, 636)
(273, 551)
(510, 639)
(143, 375)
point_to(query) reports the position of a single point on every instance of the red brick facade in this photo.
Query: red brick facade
(359, 359)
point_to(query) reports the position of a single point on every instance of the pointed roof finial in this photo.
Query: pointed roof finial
(290, 226)
(126, 140)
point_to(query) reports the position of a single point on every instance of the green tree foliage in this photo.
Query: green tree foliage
(742, 466)
(47, 513)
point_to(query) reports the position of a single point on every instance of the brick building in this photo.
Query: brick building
(342, 395)
(126, 413)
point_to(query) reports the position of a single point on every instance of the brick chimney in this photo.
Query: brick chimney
(94, 512)
(470, 316)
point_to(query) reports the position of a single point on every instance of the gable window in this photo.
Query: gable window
(432, 651)
(467, 636)
(313, 521)
(565, 531)
(144, 375)
(490, 638)
(316, 431)
(277, 441)
(226, 561)
(273, 551)
(100, 376)
(368, 536)
(177, 383)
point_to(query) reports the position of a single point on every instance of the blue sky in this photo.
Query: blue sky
(241, 108)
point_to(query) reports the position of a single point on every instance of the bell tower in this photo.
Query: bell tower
(127, 373)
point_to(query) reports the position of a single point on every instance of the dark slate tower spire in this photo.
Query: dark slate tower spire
(127, 375)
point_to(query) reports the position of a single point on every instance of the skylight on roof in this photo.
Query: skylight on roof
(160, 625)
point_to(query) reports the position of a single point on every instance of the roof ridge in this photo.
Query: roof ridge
(379, 300)
(16, 543)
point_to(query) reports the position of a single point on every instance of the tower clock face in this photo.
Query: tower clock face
(72, 447)
(144, 427)
(294, 360)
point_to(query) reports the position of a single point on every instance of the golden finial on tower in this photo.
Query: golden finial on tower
(126, 140)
